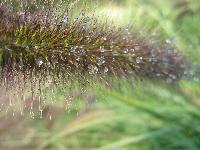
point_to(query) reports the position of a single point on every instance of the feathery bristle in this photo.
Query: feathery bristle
(43, 42)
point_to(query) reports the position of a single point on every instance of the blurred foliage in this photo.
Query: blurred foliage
(146, 115)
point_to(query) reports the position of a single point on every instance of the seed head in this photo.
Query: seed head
(39, 41)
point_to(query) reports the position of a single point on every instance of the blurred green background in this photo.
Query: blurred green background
(142, 115)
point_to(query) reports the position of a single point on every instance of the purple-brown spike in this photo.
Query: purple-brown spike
(43, 42)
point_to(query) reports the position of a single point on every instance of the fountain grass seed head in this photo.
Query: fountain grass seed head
(38, 40)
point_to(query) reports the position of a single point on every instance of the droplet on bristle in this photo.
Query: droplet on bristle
(93, 69)
(138, 60)
(102, 49)
(40, 62)
(65, 19)
(100, 61)
(126, 51)
(132, 50)
(168, 41)
(105, 69)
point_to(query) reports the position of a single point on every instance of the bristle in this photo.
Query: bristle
(46, 43)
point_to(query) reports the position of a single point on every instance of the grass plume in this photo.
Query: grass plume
(40, 41)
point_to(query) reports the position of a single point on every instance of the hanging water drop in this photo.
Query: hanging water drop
(93, 69)
(138, 60)
(105, 69)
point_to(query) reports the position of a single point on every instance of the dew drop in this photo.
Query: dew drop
(105, 69)
(100, 61)
(138, 60)
(88, 37)
(65, 19)
(168, 41)
(75, 19)
(126, 51)
(78, 58)
(40, 62)
(132, 50)
(102, 49)
(158, 74)
(111, 46)
(93, 69)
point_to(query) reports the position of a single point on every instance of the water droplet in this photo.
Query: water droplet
(168, 41)
(75, 19)
(105, 69)
(93, 69)
(138, 60)
(126, 51)
(100, 61)
(88, 37)
(137, 48)
(40, 62)
(65, 19)
(78, 58)
(132, 50)
(127, 30)
(111, 46)
(158, 74)
(102, 49)
(41, 114)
